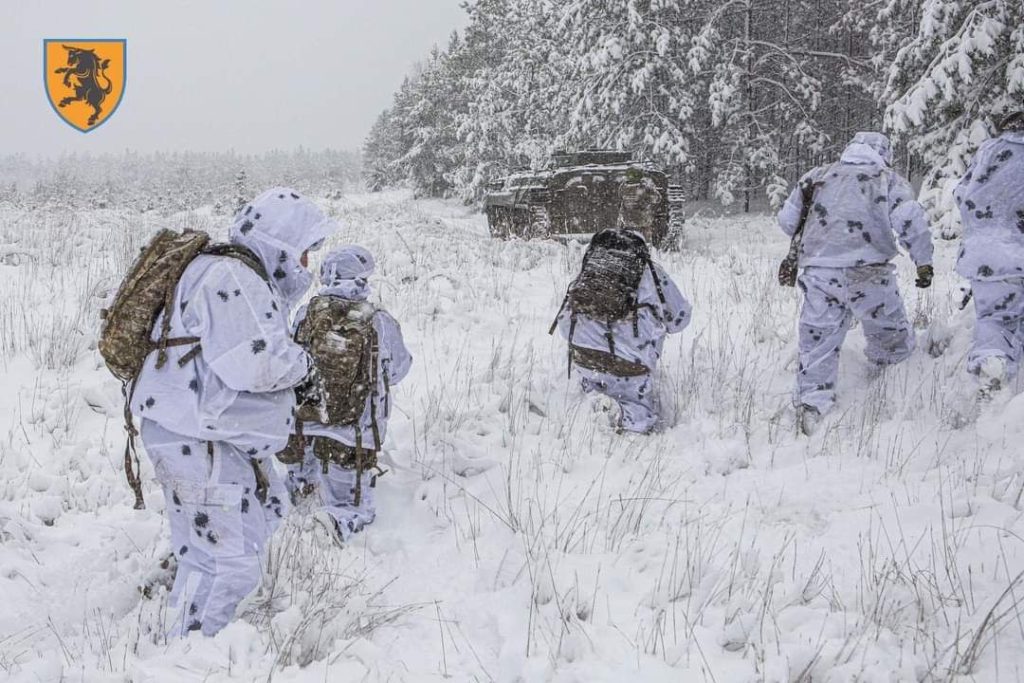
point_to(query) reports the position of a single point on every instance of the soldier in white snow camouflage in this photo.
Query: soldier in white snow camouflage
(344, 482)
(615, 354)
(860, 210)
(212, 422)
(991, 201)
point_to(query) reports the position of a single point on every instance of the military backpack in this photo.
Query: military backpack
(342, 340)
(606, 290)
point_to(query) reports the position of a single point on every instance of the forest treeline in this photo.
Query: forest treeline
(169, 182)
(733, 97)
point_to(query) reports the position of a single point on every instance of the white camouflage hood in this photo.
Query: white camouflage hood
(345, 272)
(279, 225)
(868, 148)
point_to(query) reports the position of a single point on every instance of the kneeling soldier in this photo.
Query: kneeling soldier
(615, 317)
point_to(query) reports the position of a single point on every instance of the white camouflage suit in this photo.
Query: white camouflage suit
(634, 395)
(344, 274)
(860, 209)
(991, 201)
(205, 424)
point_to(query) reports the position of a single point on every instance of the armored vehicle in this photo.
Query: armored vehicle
(577, 194)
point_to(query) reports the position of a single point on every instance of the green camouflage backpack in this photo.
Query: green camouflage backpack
(340, 337)
(148, 289)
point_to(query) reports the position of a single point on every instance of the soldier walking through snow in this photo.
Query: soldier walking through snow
(991, 201)
(215, 410)
(360, 355)
(846, 219)
(615, 317)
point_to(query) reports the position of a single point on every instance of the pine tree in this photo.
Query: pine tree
(379, 155)
(629, 86)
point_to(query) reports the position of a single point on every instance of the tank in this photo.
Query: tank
(577, 194)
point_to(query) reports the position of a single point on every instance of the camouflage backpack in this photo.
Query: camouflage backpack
(148, 289)
(340, 337)
(606, 287)
(606, 290)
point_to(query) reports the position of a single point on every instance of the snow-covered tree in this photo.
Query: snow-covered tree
(948, 81)
(629, 86)
(734, 99)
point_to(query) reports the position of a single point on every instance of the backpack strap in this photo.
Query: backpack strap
(572, 331)
(131, 452)
(358, 493)
(372, 361)
(387, 393)
(658, 287)
(374, 355)
(554, 323)
(240, 253)
(376, 377)
(166, 341)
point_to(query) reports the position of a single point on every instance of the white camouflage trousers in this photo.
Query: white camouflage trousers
(335, 492)
(634, 395)
(999, 327)
(832, 298)
(220, 519)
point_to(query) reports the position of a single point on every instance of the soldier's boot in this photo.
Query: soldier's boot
(991, 377)
(808, 419)
(163, 576)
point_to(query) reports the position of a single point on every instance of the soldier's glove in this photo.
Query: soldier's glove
(310, 402)
(924, 277)
(294, 451)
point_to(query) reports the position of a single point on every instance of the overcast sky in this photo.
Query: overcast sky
(211, 75)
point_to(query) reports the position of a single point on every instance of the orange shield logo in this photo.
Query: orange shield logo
(84, 79)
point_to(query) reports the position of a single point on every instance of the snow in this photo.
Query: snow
(518, 537)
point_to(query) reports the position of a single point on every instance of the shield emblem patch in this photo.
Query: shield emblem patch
(84, 79)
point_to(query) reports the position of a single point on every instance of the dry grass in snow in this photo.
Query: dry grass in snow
(518, 537)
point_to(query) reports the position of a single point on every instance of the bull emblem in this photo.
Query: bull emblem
(88, 70)
(88, 81)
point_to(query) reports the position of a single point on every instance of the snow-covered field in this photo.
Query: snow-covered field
(518, 537)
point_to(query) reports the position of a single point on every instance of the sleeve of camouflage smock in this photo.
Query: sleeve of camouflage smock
(394, 355)
(300, 315)
(243, 329)
(960, 191)
(909, 221)
(675, 312)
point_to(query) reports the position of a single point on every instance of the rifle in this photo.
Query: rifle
(790, 265)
